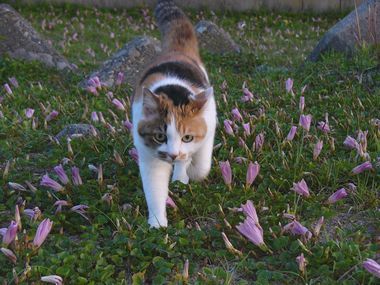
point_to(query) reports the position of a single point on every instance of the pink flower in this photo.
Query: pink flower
(117, 103)
(94, 117)
(296, 228)
(42, 232)
(247, 129)
(289, 85)
(250, 211)
(51, 116)
(252, 172)
(54, 279)
(317, 149)
(236, 114)
(305, 121)
(301, 188)
(59, 204)
(134, 155)
(170, 203)
(229, 245)
(48, 182)
(8, 89)
(29, 113)
(225, 168)
(240, 159)
(228, 128)
(291, 133)
(13, 81)
(372, 267)
(252, 231)
(92, 90)
(302, 262)
(9, 254)
(324, 127)
(338, 195)
(77, 180)
(120, 78)
(362, 167)
(10, 233)
(61, 174)
(247, 95)
(352, 187)
(95, 82)
(128, 125)
(16, 186)
(302, 103)
(259, 142)
(351, 143)
(33, 214)
(81, 210)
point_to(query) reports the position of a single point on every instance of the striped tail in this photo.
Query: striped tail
(176, 29)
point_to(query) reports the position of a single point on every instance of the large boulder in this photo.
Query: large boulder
(19, 40)
(215, 39)
(361, 25)
(130, 60)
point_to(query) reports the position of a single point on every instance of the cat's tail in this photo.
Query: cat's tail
(177, 32)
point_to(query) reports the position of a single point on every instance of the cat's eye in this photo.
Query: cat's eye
(187, 138)
(159, 138)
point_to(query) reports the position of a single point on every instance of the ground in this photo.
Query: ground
(114, 245)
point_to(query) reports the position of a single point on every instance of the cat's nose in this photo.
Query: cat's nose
(173, 156)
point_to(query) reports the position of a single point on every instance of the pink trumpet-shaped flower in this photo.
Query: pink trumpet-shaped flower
(302, 262)
(43, 231)
(16, 186)
(302, 103)
(236, 114)
(228, 128)
(250, 211)
(317, 149)
(171, 203)
(120, 78)
(92, 90)
(225, 168)
(13, 81)
(59, 204)
(128, 125)
(81, 210)
(61, 174)
(29, 113)
(247, 95)
(259, 141)
(289, 85)
(372, 267)
(338, 195)
(318, 226)
(33, 214)
(305, 121)
(8, 89)
(301, 188)
(247, 129)
(9, 254)
(296, 228)
(252, 231)
(54, 279)
(117, 103)
(10, 233)
(291, 133)
(94, 117)
(51, 116)
(324, 127)
(351, 143)
(77, 180)
(362, 167)
(48, 182)
(134, 154)
(252, 172)
(351, 186)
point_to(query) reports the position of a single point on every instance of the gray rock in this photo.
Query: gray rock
(359, 26)
(215, 39)
(19, 40)
(131, 60)
(77, 130)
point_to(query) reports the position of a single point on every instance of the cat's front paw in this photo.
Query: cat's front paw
(156, 223)
(182, 178)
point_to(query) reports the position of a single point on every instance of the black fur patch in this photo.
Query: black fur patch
(180, 69)
(178, 94)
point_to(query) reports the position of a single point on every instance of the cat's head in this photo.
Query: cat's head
(173, 127)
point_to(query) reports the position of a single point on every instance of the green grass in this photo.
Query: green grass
(116, 245)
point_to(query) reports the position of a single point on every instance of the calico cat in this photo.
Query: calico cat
(173, 113)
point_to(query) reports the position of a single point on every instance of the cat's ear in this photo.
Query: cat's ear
(201, 98)
(150, 102)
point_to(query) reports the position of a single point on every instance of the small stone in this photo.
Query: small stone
(131, 60)
(77, 130)
(215, 39)
(19, 40)
(361, 25)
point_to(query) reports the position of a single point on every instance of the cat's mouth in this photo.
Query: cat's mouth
(171, 158)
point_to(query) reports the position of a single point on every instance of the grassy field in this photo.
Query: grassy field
(111, 243)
